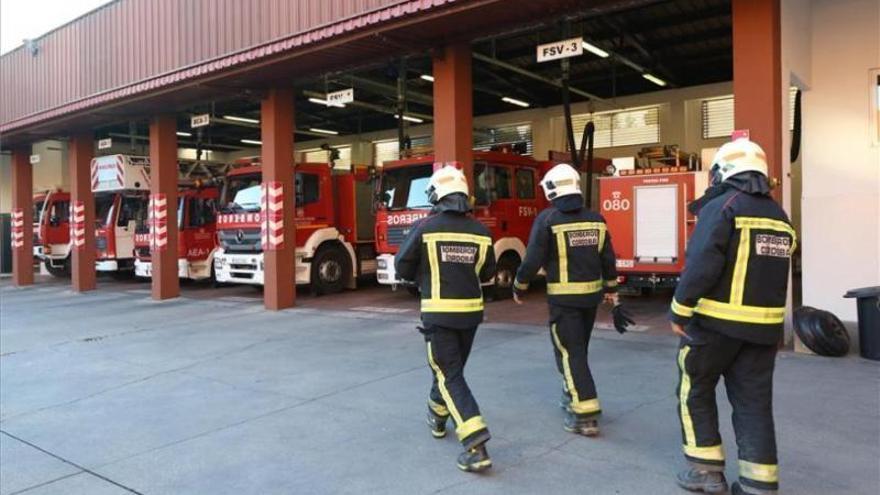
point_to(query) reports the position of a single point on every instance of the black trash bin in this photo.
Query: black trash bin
(868, 308)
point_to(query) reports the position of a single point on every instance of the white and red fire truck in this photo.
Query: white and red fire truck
(52, 231)
(646, 212)
(507, 200)
(121, 184)
(196, 239)
(333, 220)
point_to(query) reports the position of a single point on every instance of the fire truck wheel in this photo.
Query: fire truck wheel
(62, 272)
(505, 272)
(329, 269)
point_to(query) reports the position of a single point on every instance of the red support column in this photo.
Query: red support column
(453, 108)
(163, 207)
(82, 212)
(279, 232)
(757, 77)
(22, 218)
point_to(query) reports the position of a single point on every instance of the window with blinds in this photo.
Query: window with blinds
(629, 127)
(317, 155)
(718, 115)
(486, 138)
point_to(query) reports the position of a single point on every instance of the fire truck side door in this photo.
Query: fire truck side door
(528, 203)
(57, 223)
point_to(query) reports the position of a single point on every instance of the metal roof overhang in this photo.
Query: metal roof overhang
(409, 27)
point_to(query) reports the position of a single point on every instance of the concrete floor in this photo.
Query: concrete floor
(109, 392)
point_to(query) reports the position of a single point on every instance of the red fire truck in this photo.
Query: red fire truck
(334, 228)
(121, 184)
(197, 235)
(507, 200)
(646, 212)
(52, 231)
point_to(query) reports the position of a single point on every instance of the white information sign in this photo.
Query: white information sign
(571, 47)
(35, 159)
(656, 223)
(338, 98)
(200, 120)
(104, 144)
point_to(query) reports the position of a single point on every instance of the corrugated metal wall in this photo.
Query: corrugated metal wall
(130, 40)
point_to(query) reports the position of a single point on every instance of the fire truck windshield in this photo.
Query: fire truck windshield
(103, 207)
(38, 210)
(404, 188)
(245, 193)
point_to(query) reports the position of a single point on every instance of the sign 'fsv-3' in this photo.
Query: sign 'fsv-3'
(571, 47)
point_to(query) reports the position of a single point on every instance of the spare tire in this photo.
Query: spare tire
(821, 331)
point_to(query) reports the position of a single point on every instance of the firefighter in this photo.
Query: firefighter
(728, 309)
(449, 254)
(573, 246)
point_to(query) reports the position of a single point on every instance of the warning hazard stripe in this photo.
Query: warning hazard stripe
(272, 202)
(78, 225)
(17, 228)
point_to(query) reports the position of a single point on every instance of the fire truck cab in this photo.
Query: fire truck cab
(121, 185)
(52, 231)
(196, 238)
(507, 199)
(333, 220)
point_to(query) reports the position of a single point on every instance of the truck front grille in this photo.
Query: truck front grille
(240, 241)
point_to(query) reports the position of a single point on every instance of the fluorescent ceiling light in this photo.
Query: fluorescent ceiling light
(252, 141)
(323, 131)
(654, 79)
(514, 101)
(410, 119)
(427, 77)
(326, 103)
(595, 50)
(184, 134)
(241, 119)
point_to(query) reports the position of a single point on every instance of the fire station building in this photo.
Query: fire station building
(194, 85)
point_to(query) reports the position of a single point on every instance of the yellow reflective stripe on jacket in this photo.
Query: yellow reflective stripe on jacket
(456, 237)
(569, 227)
(574, 288)
(562, 254)
(767, 473)
(712, 453)
(681, 309)
(738, 282)
(470, 427)
(739, 312)
(452, 305)
(434, 265)
(767, 224)
(484, 249)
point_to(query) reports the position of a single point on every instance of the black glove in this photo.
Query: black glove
(622, 318)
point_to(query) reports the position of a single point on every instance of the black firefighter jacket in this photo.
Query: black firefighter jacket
(573, 245)
(448, 254)
(736, 268)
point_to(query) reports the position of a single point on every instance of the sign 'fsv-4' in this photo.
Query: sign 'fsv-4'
(571, 47)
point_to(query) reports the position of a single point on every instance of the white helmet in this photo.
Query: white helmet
(561, 180)
(445, 181)
(738, 156)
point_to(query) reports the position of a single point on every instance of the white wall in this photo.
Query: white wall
(841, 161)
(50, 173)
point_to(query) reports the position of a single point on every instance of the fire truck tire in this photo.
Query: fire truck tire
(330, 268)
(63, 272)
(505, 272)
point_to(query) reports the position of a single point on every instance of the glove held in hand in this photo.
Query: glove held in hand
(622, 318)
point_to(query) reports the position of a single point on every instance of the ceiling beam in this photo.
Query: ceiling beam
(370, 106)
(533, 75)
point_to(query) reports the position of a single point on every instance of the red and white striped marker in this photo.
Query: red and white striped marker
(272, 203)
(78, 225)
(157, 211)
(17, 228)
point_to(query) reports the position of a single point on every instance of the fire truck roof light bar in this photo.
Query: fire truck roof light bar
(595, 50)
(241, 119)
(514, 101)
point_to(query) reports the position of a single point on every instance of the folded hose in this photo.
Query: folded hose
(821, 331)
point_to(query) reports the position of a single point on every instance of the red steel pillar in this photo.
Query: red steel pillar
(82, 213)
(757, 78)
(163, 207)
(453, 108)
(279, 233)
(22, 218)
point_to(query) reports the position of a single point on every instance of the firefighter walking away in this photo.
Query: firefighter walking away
(728, 309)
(449, 254)
(573, 246)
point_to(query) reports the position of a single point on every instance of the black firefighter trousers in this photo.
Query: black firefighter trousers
(448, 351)
(570, 331)
(747, 369)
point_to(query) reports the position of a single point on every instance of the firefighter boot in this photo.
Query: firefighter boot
(697, 480)
(586, 427)
(475, 460)
(738, 489)
(437, 423)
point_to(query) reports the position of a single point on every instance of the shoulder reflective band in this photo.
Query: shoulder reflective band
(455, 237)
(681, 309)
(452, 305)
(574, 288)
(766, 473)
(767, 224)
(741, 313)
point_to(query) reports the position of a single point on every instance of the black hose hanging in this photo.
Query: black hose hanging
(796, 132)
